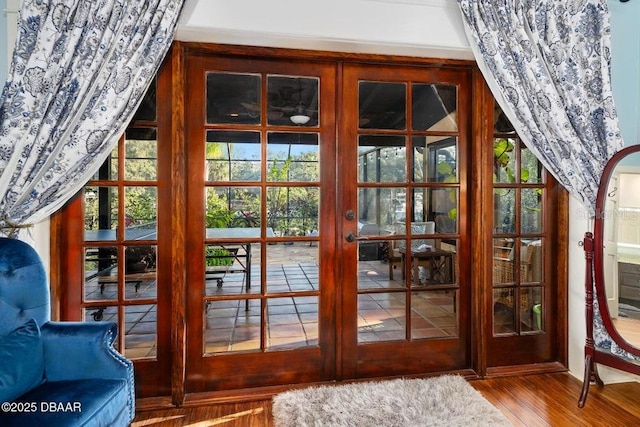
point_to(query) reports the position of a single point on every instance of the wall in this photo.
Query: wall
(4, 48)
(8, 17)
(402, 27)
(625, 67)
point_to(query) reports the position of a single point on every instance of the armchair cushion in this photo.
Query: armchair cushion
(23, 281)
(21, 361)
(93, 356)
(9, 317)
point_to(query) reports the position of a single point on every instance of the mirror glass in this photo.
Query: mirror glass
(621, 247)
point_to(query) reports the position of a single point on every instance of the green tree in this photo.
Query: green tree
(218, 214)
(141, 162)
(277, 197)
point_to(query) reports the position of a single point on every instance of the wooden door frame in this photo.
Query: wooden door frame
(313, 363)
(480, 305)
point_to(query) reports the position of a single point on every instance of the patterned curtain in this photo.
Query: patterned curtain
(79, 71)
(601, 338)
(547, 63)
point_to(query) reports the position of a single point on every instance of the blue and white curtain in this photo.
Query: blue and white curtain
(79, 71)
(547, 63)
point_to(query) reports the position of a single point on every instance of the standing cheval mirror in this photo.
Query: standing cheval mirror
(613, 271)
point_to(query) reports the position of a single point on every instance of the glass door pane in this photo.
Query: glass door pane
(120, 250)
(519, 191)
(520, 311)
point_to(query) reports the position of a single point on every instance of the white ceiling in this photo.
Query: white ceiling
(425, 28)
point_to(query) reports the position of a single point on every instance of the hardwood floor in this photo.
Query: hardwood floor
(531, 401)
(552, 400)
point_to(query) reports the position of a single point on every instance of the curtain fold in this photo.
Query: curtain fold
(79, 71)
(547, 62)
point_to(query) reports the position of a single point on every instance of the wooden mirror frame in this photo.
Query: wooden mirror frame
(594, 280)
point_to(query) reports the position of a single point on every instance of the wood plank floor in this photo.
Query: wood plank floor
(552, 400)
(531, 401)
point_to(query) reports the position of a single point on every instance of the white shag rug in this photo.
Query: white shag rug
(440, 401)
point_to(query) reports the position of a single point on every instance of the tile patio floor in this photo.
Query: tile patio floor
(290, 322)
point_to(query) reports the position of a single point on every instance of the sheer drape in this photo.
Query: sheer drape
(547, 63)
(79, 70)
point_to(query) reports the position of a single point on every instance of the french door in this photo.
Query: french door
(326, 222)
(260, 279)
(403, 221)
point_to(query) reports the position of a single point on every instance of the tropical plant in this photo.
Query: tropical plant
(503, 149)
(446, 173)
(216, 257)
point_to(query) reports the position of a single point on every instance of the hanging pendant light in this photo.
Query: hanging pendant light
(300, 117)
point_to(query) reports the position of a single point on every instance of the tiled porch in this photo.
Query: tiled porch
(290, 322)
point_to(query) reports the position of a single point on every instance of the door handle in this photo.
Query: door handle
(350, 237)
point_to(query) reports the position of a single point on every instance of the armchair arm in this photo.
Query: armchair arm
(78, 350)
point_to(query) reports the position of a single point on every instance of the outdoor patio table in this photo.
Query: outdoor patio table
(234, 236)
(438, 262)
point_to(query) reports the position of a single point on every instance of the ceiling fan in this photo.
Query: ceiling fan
(287, 100)
(290, 102)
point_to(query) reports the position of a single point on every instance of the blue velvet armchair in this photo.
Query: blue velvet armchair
(55, 373)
